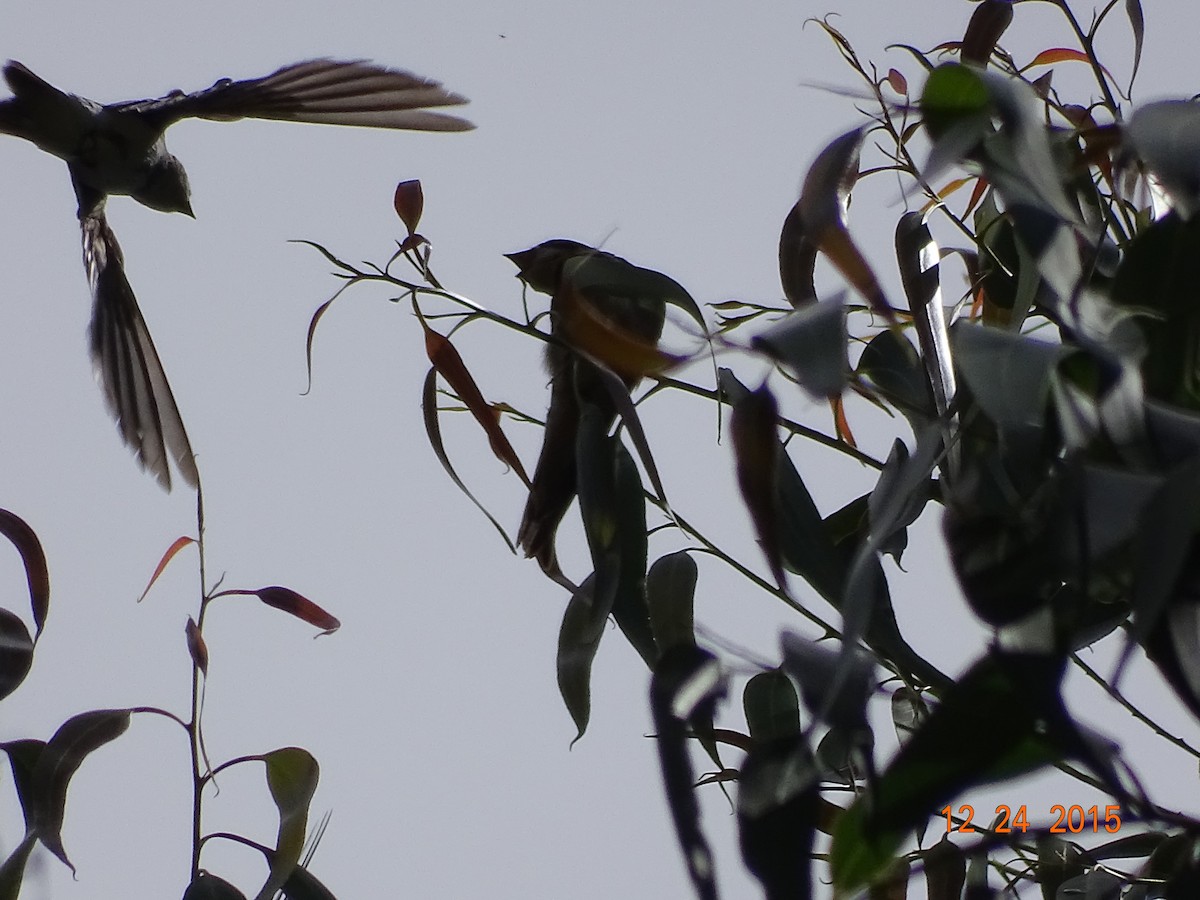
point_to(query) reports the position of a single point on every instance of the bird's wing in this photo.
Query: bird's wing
(321, 91)
(40, 112)
(127, 365)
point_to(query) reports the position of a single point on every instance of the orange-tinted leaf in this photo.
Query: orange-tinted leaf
(841, 424)
(449, 364)
(1057, 55)
(822, 206)
(197, 649)
(897, 81)
(837, 244)
(989, 21)
(587, 329)
(981, 186)
(61, 758)
(178, 544)
(817, 222)
(16, 652)
(301, 607)
(37, 573)
(753, 426)
(409, 202)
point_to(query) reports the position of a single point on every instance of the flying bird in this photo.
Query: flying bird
(629, 304)
(120, 148)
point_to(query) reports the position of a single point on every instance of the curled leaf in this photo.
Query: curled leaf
(301, 607)
(178, 544)
(197, 649)
(292, 775)
(449, 364)
(58, 762)
(37, 573)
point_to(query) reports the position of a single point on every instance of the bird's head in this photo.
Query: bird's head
(166, 188)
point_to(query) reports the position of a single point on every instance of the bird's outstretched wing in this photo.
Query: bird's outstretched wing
(41, 113)
(127, 365)
(321, 91)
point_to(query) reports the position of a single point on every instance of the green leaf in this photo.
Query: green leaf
(670, 591)
(292, 775)
(578, 640)
(771, 706)
(953, 95)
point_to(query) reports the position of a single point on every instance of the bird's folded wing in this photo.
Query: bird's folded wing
(127, 365)
(321, 91)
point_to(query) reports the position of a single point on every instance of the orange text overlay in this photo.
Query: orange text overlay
(1073, 819)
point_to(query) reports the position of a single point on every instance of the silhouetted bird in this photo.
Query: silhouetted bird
(629, 300)
(119, 148)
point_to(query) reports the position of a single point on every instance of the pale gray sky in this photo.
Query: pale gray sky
(677, 133)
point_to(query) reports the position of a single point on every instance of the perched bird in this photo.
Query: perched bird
(119, 148)
(624, 303)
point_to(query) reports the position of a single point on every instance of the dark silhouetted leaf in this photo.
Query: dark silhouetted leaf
(909, 710)
(409, 202)
(1002, 719)
(1137, 24)
(292, 776)
(894, 884)
(684, 690)
(12, 872)
(777, 809)
(989, 21)
(630, 606)
(433, 431)
(58, 762)
(301, 607)
(197, 649)
(23, 756)
(16, 652)
(757, 450)
(811, 342)
(450, 366)
(771, 706)
(578, 640)
(894, 367)
(897, 82)
(37, 574)
(178, 544)
(1059, 861)
(207, 886)
(945, 870)
(670, 590)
